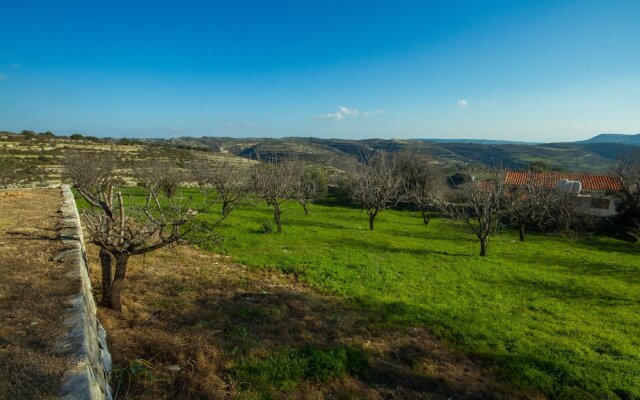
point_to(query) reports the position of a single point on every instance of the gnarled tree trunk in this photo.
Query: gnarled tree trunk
(521, 230)
(484, 243)
(105, 263)
(122, 260)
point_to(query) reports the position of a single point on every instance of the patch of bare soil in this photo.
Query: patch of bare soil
(190, 316)
(33, 290)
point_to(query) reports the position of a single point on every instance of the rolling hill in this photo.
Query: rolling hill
(337, 153)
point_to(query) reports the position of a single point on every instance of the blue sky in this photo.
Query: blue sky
(517, 70)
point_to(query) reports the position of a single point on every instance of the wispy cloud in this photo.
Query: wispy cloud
(15, 66)
(367, 114)
(3, 77)
(346, 112)
(335, 116)
(462, 103)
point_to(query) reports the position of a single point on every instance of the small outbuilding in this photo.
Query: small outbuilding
(596, 192)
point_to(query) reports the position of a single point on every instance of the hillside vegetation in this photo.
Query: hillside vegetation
(40, 154)
(583, 157)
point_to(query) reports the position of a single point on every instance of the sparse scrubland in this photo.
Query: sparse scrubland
(558, 315)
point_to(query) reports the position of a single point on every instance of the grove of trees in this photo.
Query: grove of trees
(479, 200)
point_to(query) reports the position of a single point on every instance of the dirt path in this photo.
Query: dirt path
(33, 289)
(199, 312)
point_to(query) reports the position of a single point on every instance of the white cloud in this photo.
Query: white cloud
(338, 116)
(462, 103)
(346, 112)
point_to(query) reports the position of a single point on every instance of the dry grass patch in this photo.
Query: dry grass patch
(33, 290)
(196, 325)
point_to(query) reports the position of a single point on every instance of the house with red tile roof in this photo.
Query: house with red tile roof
(596, 192)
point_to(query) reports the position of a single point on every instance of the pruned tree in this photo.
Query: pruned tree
(542, 208)
(275, 183)
(628, 170)
(375, 184)
(480, 204)
(122, 229)
(423, 183)
(229, 181)
(310, 186)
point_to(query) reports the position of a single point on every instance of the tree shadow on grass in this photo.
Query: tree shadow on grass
(388, 248)
(571, 292)
(608, 245)
(585, 267)
(215, 320)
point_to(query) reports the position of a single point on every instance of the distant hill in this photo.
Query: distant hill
(615, 138)
(338, 153)
(478, 141)
(44, 150)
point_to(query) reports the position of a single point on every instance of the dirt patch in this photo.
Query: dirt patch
(191, 317)
(33, 291)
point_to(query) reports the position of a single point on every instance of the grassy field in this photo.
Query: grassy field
(556, 314)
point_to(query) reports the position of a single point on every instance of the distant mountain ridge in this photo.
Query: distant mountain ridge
(478, 141)
(590, 157)
(615, 138)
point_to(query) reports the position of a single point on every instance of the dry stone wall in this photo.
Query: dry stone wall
(86, 341)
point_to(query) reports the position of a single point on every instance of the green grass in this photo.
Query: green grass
(559, 315)
(284, 369)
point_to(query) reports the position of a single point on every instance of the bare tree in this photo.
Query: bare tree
(275, 183)
(158, 175)
(310, 186)
(531, 205)
(230, 182)
(124, 230)
(480, 204)
(375, 184)
(628, 170)
(423, 183)
(542, 207)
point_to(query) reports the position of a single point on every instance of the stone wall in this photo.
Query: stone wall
(86, 341)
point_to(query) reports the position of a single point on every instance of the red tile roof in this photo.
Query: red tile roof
(550, 179)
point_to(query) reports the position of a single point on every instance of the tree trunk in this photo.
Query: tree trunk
(118, 281)
(426, 217)
(226, 208)
(305, 207)
(276, 216)
(105, 262)
(372, 217)
(522, 232)
(483, 246)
